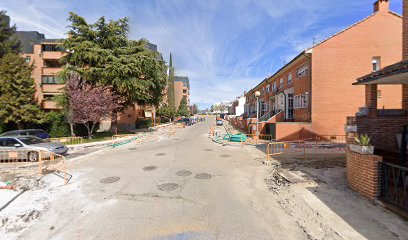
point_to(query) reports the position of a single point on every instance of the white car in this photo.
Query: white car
(27, 147)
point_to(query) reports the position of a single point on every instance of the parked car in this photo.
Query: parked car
(28, 132)
(186, 121)
(27, 147)
(219, 122)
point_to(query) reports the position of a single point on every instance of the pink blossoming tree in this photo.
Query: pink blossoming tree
(89, 104)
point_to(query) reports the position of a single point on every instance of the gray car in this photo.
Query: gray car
(27, 147)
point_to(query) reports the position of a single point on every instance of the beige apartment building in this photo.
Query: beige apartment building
(181, 89)
(45, 54)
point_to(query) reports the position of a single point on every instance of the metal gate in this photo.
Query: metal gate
(394, 185)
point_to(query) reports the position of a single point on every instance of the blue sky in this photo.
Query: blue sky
(224, 46)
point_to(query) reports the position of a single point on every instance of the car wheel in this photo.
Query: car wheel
(33, 156)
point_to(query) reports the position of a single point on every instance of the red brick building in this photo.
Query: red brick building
(313, 94)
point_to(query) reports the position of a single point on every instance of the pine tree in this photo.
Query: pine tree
(17, 93)
(183, 108)
(8, 40)
(171, 99)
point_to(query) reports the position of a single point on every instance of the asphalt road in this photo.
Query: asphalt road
(183, 187)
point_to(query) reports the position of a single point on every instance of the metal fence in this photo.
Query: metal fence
(46, 162)
(394, 185)
(303, 147)
(68, 140)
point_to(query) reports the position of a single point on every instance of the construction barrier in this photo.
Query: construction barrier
(305, 146)
(278, 148)
(48, 162)
(67, 140)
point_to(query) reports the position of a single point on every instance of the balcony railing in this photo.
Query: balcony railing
(52, 88)
(270, 115)
(52, 55)
(48, 104)
(51, 71)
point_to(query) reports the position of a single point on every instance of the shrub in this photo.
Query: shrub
(143, 123)
(59, 126)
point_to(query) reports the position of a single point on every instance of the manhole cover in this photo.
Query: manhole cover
(208, 150)
(168, 187)
(225, 156)
(149, 168)
(203, 176)
(183, 173)
(109, 180)
(160, 154)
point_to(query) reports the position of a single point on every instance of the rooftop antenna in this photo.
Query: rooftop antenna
(315, 41)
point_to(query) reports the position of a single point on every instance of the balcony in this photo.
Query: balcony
(52, 88)
(50, 71)
(49, 105)
(52, 55)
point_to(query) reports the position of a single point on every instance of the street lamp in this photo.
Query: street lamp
(257, 94)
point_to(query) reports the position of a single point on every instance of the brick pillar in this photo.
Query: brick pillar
(405, 97)
(371, 98)
(405, 30)
(364, 174)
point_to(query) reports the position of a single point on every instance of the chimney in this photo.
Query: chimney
(405, 30)
(382, 6)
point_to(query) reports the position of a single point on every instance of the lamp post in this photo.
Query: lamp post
(257, 94)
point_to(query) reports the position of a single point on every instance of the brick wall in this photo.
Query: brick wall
(363, 174)
(382, 130)
(405, 30)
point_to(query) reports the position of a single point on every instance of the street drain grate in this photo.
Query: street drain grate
(160, 154)
(168, 187)
(109, 180)
(149, 168)
(225, 156)
(203, 176)
(132, 148)
(183, 173)
(208, 150)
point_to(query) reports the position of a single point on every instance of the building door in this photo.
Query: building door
(289, 110)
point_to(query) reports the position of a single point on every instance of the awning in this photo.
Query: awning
(394, 74)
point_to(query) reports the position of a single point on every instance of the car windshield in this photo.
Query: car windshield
(30, 140)
(11, 133)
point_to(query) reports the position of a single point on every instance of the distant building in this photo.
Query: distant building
(45, 54)
(181, 89)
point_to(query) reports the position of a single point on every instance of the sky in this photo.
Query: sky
(225, 47)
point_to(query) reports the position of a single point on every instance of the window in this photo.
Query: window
(376, 64)
(281, 83)
(52, 48)
(49, 97)
(27, 60)
(301, 101)
(378, 93)
(289, 78)
(184, 91)
(51, 80)
(268, 88)
(274, 88)
(302, 71)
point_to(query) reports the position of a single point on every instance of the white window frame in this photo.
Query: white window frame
(302, 71)
(281, 83)
(300, 101)
(274, 88)
(290, 78)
